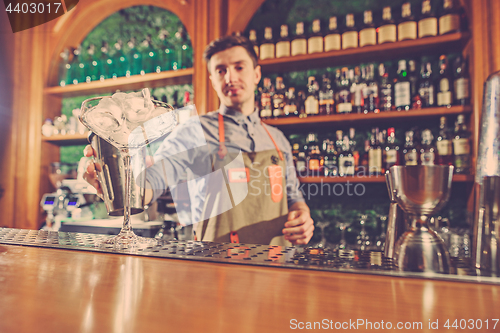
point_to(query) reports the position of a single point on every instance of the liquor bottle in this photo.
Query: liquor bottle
(350, 34)
(301, 164)
(449, 21)
(444, 94)
(149, 57)
(357, 87)
(382, 139)
(344, 94)
(339, 140)
(166, 51)
(291, 108)
(428, 23)
(94, 65)
(332, 38)
(346, 159)
(134, 58)
(368, 34)
(375, 154)
(386, 87)
(461, 82)
(183, 50)
(252, 36)
(295, 152)
(363, 169)
(267, 46)
(301, 98)
(266, 110)
(402, 88)
(64, 66)
(410, 151)
(387, 30)
(313, 157)
(312, 103)
(330, 160)
(257, 93)
(120, 66)
(326, 97)
(299, 43)
(279, 98)
(315, 41)
(461, 146)
(427, 149)
(105, 68)
(77, 67)
(413, 78)
(444, 144)
(391, 150)
(370, 91)
(407, 28)
(352, 145)
(283, 43)
(426, 88)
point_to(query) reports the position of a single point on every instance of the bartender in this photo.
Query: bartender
(238, 171)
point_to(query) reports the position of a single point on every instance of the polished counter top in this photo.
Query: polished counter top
(61, 290)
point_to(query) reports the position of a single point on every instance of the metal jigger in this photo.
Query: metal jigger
(421, 191)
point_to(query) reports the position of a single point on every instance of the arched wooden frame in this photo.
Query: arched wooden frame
(241, 14)
(75, 25)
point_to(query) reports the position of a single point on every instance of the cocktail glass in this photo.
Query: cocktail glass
(129, 122)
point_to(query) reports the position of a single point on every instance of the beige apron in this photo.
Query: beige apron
(260, 216)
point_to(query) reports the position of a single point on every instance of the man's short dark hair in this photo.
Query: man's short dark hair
(228, 42)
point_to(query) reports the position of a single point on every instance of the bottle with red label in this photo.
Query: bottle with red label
(391, 150)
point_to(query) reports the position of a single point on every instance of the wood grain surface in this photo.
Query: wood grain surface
(54, 290)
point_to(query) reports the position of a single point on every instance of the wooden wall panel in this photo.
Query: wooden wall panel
(6, 92)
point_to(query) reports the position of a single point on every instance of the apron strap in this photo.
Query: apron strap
(222, 139)
(275, 145)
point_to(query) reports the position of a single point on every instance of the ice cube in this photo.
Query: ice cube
(153, 129)
(102, 122)
(112, 107)
(137, 106)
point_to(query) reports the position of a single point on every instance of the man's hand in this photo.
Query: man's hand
(300, 227)
(91, 175)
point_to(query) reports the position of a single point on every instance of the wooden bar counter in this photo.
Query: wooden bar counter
(58, 290)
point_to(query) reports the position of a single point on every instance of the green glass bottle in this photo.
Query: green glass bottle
(149, 57)
(183, 50)
(104, 68)
(166, 52)
(93, 65)
(63, 67)
(134, 58)
(117, 62)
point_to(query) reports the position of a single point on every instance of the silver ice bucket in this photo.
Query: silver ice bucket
(109, 164)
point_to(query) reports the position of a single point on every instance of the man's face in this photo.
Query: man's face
(233, 77)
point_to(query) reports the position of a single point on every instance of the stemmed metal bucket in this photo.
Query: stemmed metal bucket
(421, 191)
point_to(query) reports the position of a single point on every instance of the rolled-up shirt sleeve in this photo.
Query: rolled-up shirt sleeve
(183, 154)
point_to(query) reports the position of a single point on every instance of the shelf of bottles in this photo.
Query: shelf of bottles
(367, 179)
(134, 82)
(369, 117)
